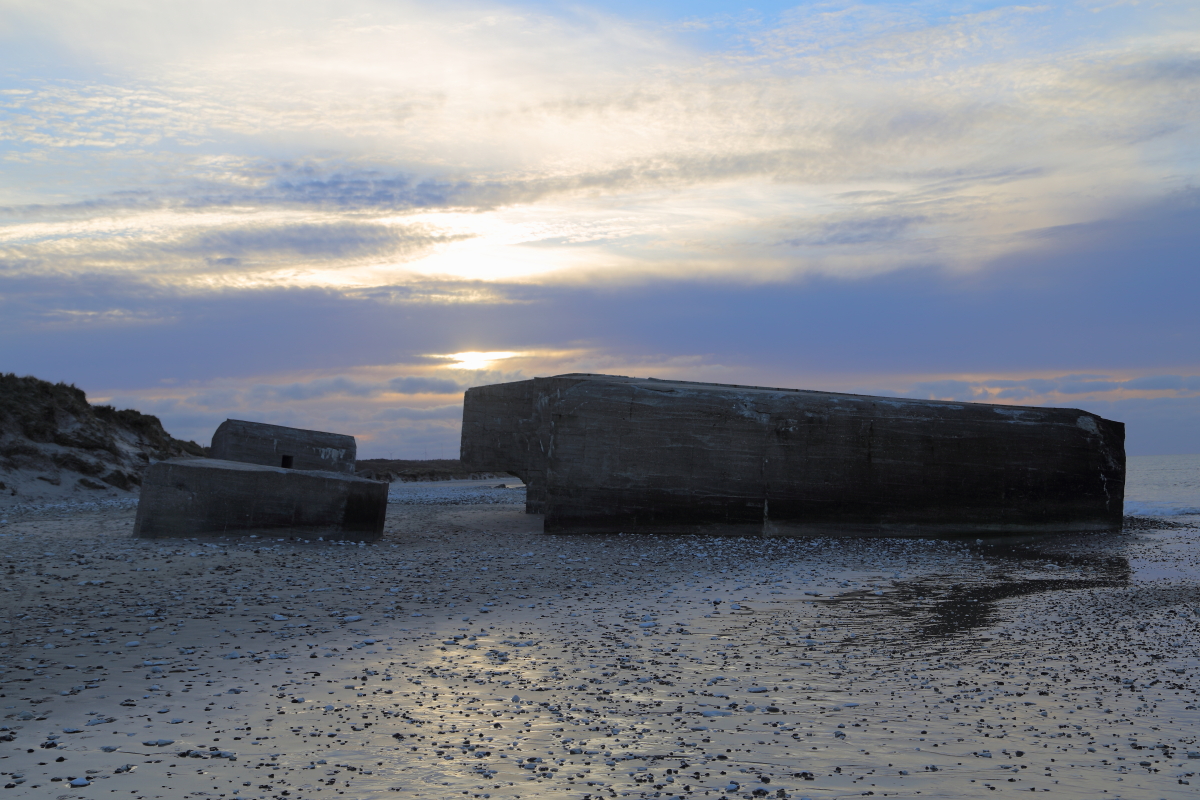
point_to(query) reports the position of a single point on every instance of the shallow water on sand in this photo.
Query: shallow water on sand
(468, 655)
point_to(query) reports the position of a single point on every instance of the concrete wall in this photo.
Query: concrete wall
(502, 426)
(610, 453)
(271, 445)
(201, 497)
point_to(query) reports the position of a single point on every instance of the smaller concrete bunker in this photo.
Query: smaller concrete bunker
(280, 446)
(266, 480)
(203, 497)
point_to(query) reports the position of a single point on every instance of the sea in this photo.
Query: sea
(1162, 486)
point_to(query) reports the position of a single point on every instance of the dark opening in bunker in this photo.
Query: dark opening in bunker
(287, 462)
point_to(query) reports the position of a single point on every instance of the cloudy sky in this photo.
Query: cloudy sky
(340, 214)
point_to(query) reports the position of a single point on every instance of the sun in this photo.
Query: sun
(474, 360)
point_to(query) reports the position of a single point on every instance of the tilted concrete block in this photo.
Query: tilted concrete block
(280, 446)
(609, 453)
(203, 497)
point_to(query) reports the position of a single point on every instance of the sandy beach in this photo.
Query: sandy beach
(469, 655)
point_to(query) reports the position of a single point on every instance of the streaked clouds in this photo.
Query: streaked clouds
(287, 210)
(1059, 388)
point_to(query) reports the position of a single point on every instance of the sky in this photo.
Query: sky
(340, 215)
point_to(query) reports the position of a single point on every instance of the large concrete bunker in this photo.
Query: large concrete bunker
(279, 446)
(610, 453)
(264, 479)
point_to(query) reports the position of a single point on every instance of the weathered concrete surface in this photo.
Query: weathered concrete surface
(197, 497)
(279, 446)
(608, 453)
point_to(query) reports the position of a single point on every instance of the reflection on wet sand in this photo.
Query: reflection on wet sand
(963, 607)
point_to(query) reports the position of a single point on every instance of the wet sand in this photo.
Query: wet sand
(469, 655)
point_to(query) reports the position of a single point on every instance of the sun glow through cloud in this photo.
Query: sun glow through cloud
(474, 361)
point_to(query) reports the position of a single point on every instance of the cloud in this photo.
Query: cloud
(1160, 383)
(329, 240)
(1042, 388)
(858, 231)
(1174, 72)
(949, 388)
(208, 250)
(893, 138)
(438, 412)
(312, 390)
(321, 388)
(1114, 295)
(417, 385)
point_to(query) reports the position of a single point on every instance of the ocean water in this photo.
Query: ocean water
(1162, 486)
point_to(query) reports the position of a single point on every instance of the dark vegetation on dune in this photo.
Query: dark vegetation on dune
(50, 430)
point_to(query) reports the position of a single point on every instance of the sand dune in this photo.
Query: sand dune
(55, 447)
